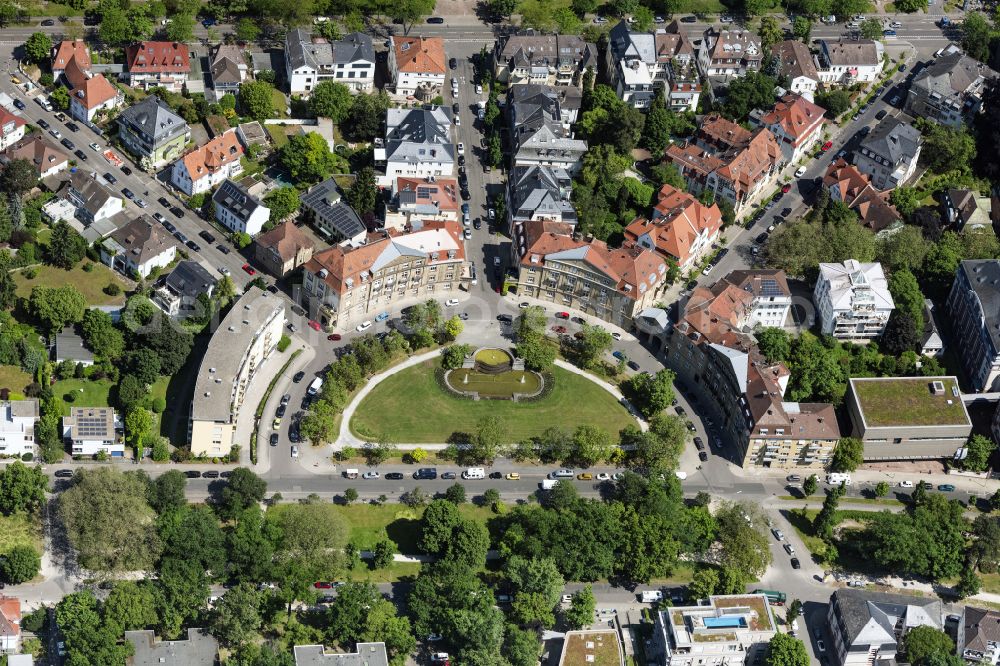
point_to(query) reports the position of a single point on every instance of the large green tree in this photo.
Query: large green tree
(257, 100)
(786, 650)
(331, 99)
(237, 617)
(22, 488)
(20, 564)
(38, 47)
(308, 158)
(848, 455)
(243, 490)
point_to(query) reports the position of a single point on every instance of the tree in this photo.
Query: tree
(491, 435)
(590, 445)
(109, 522)
(753, 91)
(871, 29)
(502, 9)
(927, 540)
(38, 47)
(521, 647)
(193, 534)
(363, 193)
(848, 455)
(979, 449)
(455, 493)
(409, 12)
(367, 116)
(20, 564)
(359, 614)
(182, 592)
(786, 650)
(257, 100)
(906, 200)
(922, 644)
(533, 609)
(581, 608)
(903, 249)
(437, 525)
(453, 327)
(774, 344)
(906, 294)
(535, 575)
(881, 489)
(825, 519)
(283, 202)
(238, 615)
(969, 584)
(950, 148)
(703, 584)
(166, 492)
(653, 393)
(244, 489)
(592, 344)
(181, 28)
(331, 99)
(66, 247)
(900, 334)
(383, 553)
(308, 158)
(247, 30)
(770, 31)
(22, 488)
(976, 35)
(745, 548)
(810, 484)
(100, 334)
(138, 422)
(802, 28)
(89, 638)
(835, 102)
(130, 606)
(55, 307)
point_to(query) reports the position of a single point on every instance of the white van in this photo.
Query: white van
(561, 474)
(350, 473)
(43, 102)
(837, 478)
(474, 473)
(649, 596)
(548, 484)
(315, 386)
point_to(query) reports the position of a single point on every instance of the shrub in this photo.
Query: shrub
(161, 452)
(88, 268)
(159, 404)
(30, 273)
(112, 289)
(27, 457)
(283, 343)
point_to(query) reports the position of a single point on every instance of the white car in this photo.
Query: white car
(906, 484)
(468, 234)
(616, 335)
(223, 270)
(451, 302)
(604, 476)
(370, 475)
(95, 147)
(479, 89)
(61, 647)
(567, 598)
(55, 133)
(461, 149)
(800, 172)
(364, 326)
(458, 121)
(295, 451)
(439, 656)
(896, 24)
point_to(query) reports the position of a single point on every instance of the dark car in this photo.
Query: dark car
(19, 104)
(280, 411)
(177, 212)
(435, 20)
(449, 476)
(274, 439)
(42, 123)
(126, 170)
(64, 473)
(699, 443)
(194, 246)
(702, 456)
(946, 488)
(689, 19)
(179, 235)
(69, 144)
(761, 237)
(163, 202)
(48, 23)
(210, 474)
(226, 474)
(426, 473)
(680, 411)
(453, 63)
(293, 434)
(298, 377)
(169, 227)
(465, 194)
(795, 563)
(633, 365)
(222, 248)
(209, 238)
(881, 114)
(496, 475)
(455, 108)
(209, 22)
(192, 474)
(81, 155)
(785, 212)
(72, 127)
(110, 177)
(461, 160)
(477, 223)
(129, 194)
(505, 318)
(394, 476)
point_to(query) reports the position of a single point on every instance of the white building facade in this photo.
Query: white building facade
(853, 300)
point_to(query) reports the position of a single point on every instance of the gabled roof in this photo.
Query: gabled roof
(795, 115)
(418, 135)
(214, 155)
(420, 55)
(530, 49)
(286, 239)
(10, 616)
(228, 63)
(541, 191)
(189, 279)
(724, 45)
(626, 45)
(982, 628)
(91, 193)
(952, 74)
(302, 50)
(678, 219)
(8, 118)
(853, 52)
(894, 140)
(68, 50)
(36, 149)
(871, 618)
(983, 276)
(94, 91)
(142, 239)
(847, 180)
(325, 201)
(234, 198)
(794, 60)
(158, 58)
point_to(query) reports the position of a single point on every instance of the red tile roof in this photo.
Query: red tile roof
(420, 55)
(797, 116)
(68, 50)
(678, 219)
(157, 58)
(217, 153)
(8, 117)
(442, 192)
(10, 616)
(94, 91)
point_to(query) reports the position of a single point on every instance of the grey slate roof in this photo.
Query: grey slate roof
(200, 649)
(93, 194)
(894, 140)
(325, 201)
(69, 347)
(153, 118)
(142, 239)
(226, 64)
(189, 279)
(631, 45)
(980, 628)
(531, 101)
(300, 51)
(951, 74)
(237, 200)
(539, 190)
(984, 277)
(368, 654)
(859, 609)
(418, 135)
(529, 49)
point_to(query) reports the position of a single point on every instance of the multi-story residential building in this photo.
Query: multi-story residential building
(228, 70)
(333, 218)
(908, 418)
(417, 64)
(729, 53)
(846, 184)
(795, 122)
(68, 51)
(531, 101)
(92, 95)
(974, 309)
(849, 61)
(794, 60)
(91, 431)
(979, 635)
(677, 61)
(537, 193)
(613, 285)
(352, 282)
(157, 64)
(869, 626)
(949, 90)
(554, 60)
(310, 60)
(772, 299)
(206, 166)
(11, 129)
(139, 247)
(283, 249)
(642, 65)
(889, 154)
(93, 201)
(544, 141)
(931, 342)
(853, 300)
(365, 654)
(151, 131)
(712, 351)
(968, 209)
(241, 344)
(682, 229)
(47, 159)
(729, 161)
(177, 292)
(17, 426)
(417, 199)
(238, 210)
(417, 145)
(729, 629)
(199, 649)
(10, 627)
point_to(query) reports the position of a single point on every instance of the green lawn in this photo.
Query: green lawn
(500, 386)
(700, 7)
(91, 284)
(86, 393)
(19, 530)
(279, 135)
(411, 407)
(15, 379)
(280, 103)
(370, 523)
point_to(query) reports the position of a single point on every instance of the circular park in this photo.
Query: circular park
(424, 404)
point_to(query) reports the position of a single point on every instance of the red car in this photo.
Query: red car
(827, 146)
(562, 315)
(321, 585)
(559, 329)
(334, 337)
(785, 189)
(314, 325)
(248, 269)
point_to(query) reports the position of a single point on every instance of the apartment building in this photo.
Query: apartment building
(238, 210)
(47, 159)
(796, 123)
(228, 70)
(979, 635)
(283, 249)
(418, 199)
(11, 129)
(354, 281)
(642, 65)
(365, 654)
(729, 53)
(324, 206)
(543, 140)
(974, 309)
(853, 300)
(681, 229)
(309, 60)
(530, 101)
(139, 247)
(889, 154)
(70, 51)
(949, 90)
(867, 627)
(17, 426)
(417, 145)
(92, 200)
(206, 166)
(417, 63)
(847, 184)
(151, 131)
(244, 340)
(728, 629)
(554, 60)
(537, 193)
(849, 61)
(91, 431)
(158, 64)
(793, 60)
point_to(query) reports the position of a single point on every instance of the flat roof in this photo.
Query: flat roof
(910, 401)
(583, 648)
(213, 391)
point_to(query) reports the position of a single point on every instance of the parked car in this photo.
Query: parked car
(370, 475)
(364, 326)
(778, 534)
(946, 488)
(209, 238)
(699, 443)
(176, 212)
(64, 473)
(449, 476)
(702, 456)
(394, 476)
(795, 563)
(128, 194)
